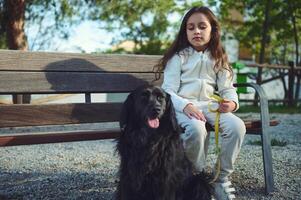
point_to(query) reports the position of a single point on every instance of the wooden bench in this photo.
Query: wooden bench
(65, 73)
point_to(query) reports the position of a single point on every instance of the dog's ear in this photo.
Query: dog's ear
(170, 111)
(125, 115)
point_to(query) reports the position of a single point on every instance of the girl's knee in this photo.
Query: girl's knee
(237, 128)
(196, 130)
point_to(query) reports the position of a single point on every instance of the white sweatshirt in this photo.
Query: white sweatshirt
(189, 77)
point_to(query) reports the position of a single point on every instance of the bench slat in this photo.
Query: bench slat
(71, 82)
(71, 136)
(253, 127)
(57, 114)
(45, 61)
(58, 137)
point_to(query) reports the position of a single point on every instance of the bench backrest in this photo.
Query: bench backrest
(64, 73)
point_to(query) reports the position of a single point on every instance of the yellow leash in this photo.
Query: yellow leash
(216, 128)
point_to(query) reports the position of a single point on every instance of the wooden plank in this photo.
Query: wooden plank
(252, 126)
(57, 114)
(72, 82)
(257, 123)
(46, 61)
(13, 140)
(52, 61)
(71, 136)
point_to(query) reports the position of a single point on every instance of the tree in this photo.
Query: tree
(13, 24)
(53, 19)
(12, 16)
(146, 23)
(270, 30)
(50, 18)
(281, 29)
(15, 15)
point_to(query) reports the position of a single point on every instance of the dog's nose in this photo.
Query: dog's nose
(157, 110)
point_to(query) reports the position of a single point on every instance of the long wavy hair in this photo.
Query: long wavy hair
(181, 42)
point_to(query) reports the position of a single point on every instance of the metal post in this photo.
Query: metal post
(265, 136)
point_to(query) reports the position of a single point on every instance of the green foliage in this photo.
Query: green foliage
(150, 25)
(3, 44)
(53, 19)
(249, 31)
(280, 143)
(272, 109)
(146, 22)
(274, 142)
(255, 142)
(238, 65)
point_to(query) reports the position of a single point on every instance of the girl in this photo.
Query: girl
(194, 66)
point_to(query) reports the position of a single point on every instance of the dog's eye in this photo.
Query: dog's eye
(160, 98)
(145, 95)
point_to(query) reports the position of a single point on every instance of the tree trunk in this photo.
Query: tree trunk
(16, 38)
(284, 54)
(265, 28)
(291, 81)
(296, 38)
(282, 74)
(293, 18)
(15, 35)
(297, 87)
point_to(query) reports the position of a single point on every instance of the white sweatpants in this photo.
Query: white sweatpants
(196, 139)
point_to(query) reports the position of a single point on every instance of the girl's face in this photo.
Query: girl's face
(198, 31)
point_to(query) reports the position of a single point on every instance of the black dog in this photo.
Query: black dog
(153, 164)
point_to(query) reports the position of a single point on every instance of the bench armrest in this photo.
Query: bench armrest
(265, 134)
(264, 105)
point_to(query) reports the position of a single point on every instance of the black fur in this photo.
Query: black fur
(153, 164)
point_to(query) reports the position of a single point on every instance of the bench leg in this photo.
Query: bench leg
(266, 142)
(265, 136)
(267, 163)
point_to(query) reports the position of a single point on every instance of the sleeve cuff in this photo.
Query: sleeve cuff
(236, 106)
(182, 105)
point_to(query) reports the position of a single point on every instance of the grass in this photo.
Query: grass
(274, 142)
(272, 109)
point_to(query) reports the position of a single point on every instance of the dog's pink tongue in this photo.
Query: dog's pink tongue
(153, 123)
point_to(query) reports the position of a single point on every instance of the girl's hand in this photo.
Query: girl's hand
(191, 111)
(227, 106)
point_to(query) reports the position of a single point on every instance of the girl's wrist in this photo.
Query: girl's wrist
(187, 106)
(235, 106)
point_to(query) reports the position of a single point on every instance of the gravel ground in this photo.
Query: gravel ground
(87, 170)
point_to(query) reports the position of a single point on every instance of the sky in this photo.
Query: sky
(88, 37)
(85, 37)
